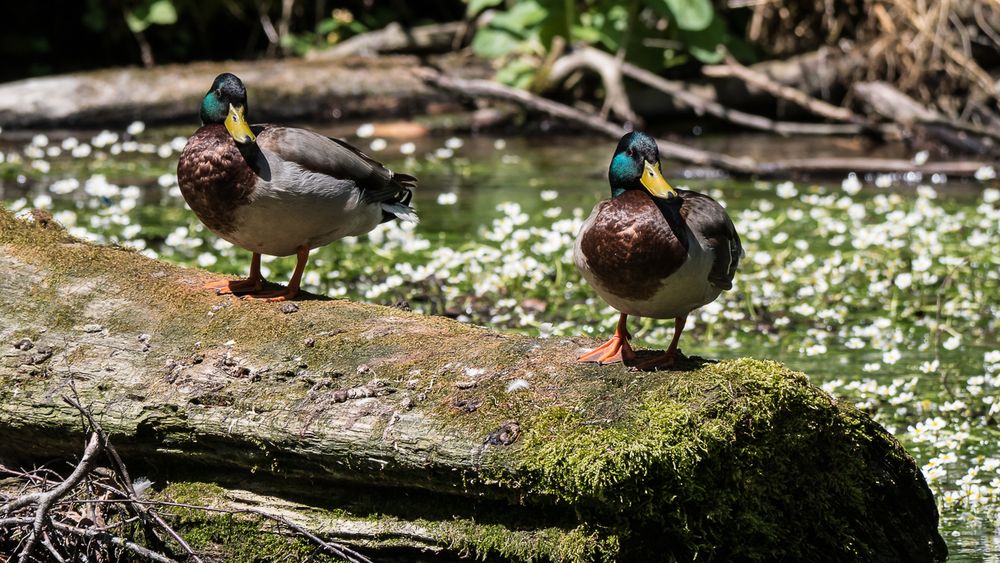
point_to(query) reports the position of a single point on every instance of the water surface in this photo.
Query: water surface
(887, 293)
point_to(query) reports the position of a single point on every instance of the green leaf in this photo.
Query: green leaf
(162, 12)
(704, 45)
(520, 18)
(691, 15)
(706, 56)
(136, 24)
(518, 73)
(493, 43)
(476, 6)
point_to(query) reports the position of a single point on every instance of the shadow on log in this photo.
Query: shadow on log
(396, 433)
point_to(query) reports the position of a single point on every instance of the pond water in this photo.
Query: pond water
(887, 293)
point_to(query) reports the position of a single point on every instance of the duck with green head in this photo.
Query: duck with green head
(280, 190)
(653, 251)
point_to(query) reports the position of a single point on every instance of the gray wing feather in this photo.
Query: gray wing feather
(705, 216)
(337, 159)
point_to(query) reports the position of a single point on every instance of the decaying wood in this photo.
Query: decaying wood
(757, 79)
(608, 66)
(278, 90)
(576, 462)
(888, 102)
(741, 166)
(394, 38)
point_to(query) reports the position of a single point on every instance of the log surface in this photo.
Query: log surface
(371, 410)
(278, 90)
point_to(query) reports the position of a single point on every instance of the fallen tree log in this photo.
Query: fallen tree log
(367, 419)
(279, 90)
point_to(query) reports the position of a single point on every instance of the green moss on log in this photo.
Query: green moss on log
(739, 459)
(248, 537)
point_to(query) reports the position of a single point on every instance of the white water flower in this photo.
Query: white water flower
(447, 198)
(135, 128)
(985, 173)
(892, 356)
(851, 185)
(206, 259)
(786, 190)
(365, 130)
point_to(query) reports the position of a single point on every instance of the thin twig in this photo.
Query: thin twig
(337, 549)
(330, 547)
(122, 472)
(98, 535)
(46, 499)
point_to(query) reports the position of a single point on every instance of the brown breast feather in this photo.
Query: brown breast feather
(630, 247)
(214, 177)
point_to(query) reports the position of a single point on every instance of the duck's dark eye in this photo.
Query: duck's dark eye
(630, 152)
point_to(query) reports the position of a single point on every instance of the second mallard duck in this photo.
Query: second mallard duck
(280, 190)
(653, 251)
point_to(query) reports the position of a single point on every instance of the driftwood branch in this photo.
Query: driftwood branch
(608, 68)
(888, 102)
(742, 166)
(756, 79)
(612, 71)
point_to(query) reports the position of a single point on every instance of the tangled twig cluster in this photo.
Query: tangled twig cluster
(933, 51)
(98, 513)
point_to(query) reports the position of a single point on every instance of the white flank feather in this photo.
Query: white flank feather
(402, 212)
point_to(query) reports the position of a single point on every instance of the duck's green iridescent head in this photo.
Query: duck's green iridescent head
(226, 102)
(636, 166)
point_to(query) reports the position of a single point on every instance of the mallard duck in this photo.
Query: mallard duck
(280, 190)
(652, 250)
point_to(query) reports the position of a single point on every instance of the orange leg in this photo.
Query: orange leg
(613, 350)
(666, 359)
(254, 281)
(289, 292)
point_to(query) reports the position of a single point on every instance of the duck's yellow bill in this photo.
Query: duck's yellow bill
(237, 125)
(653, 180)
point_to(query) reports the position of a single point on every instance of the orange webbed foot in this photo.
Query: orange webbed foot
(615, 350)
(607, 353)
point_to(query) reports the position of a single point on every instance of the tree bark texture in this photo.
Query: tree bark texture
(411, 422)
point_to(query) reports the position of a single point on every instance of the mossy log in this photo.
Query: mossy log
(401, 431)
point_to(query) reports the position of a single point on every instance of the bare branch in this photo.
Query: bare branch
(46, 499)
(764, 82)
